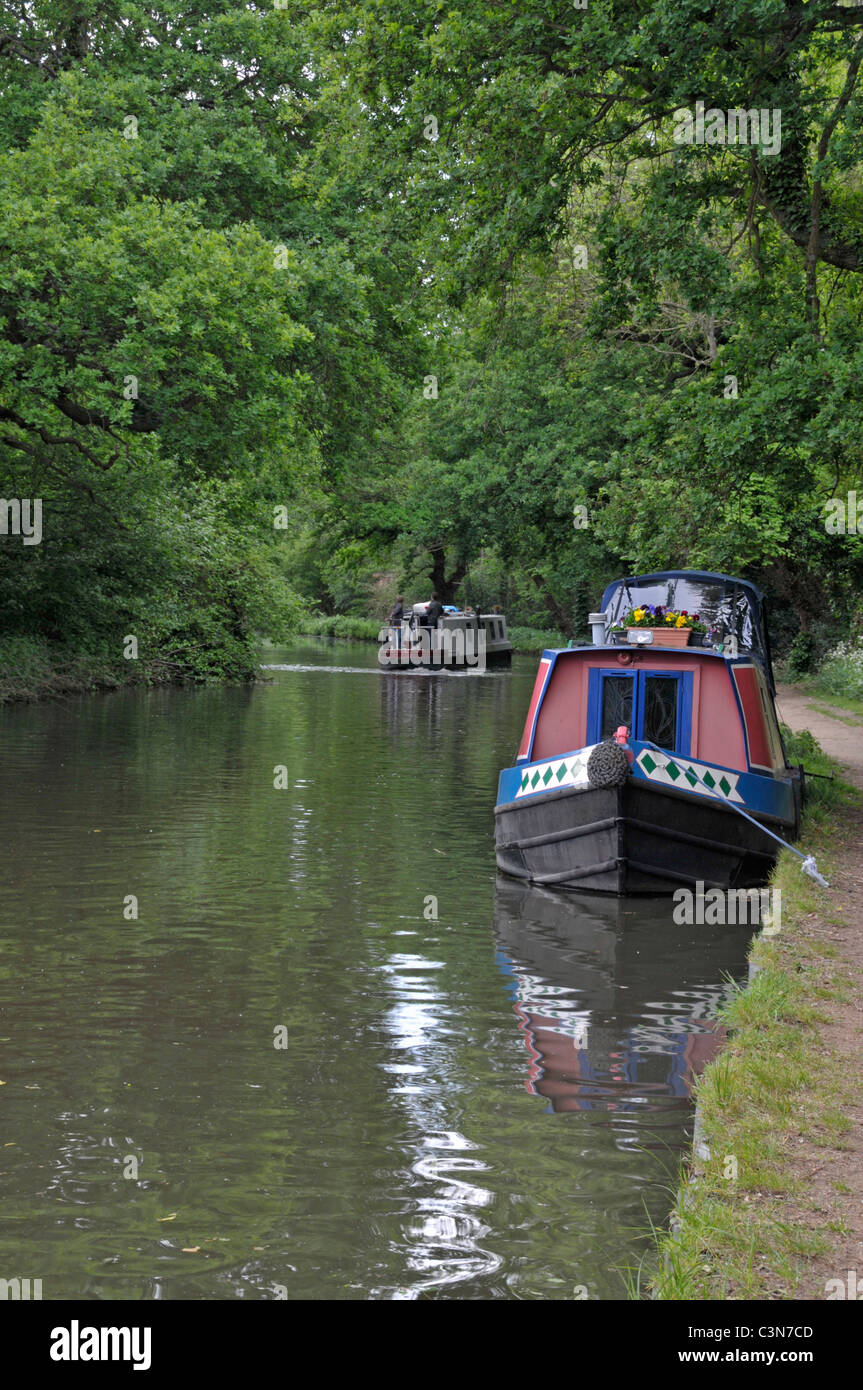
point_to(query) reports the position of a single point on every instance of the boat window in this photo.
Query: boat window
(660, 711)
(655, 706)
(616, 703)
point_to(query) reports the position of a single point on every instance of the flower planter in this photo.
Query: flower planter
(665, 636)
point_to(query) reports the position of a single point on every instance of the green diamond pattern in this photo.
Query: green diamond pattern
(712, 781)
(574, 772)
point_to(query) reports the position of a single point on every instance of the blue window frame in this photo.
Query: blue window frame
(658, 705)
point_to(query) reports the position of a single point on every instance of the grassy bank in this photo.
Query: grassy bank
(528, 640)
(745, 1223)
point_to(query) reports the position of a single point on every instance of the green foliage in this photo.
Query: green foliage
(842, 672)
(826, 791)
(235, 274)
(197, 325)
(532, 641)
(355, 629)
(697, 382)
(802, 655)
(801, 745)
(31, 668)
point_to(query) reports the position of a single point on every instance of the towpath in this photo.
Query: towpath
(840, 734)
(833, 1180)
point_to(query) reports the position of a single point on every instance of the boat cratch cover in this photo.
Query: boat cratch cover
(732, 606)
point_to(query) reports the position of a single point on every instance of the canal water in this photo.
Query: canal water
(263, 1041)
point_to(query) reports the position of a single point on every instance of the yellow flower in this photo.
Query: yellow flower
(669, 617)
(681, 621)
(638, 614)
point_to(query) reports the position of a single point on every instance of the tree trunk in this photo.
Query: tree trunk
(445, 586)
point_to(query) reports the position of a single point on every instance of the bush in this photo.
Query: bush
(533, 640)
(842, 671)
(353, 629)
(801, 658)
(32, 668)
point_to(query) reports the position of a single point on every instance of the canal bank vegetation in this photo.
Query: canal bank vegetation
(841, 675)
(174, 595)
(31, 669)
(773, 1107)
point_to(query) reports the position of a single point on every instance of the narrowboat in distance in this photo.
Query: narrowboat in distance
(461, 640)
(641, 750)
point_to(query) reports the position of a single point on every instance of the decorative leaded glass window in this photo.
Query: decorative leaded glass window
(616, 704)
(660, 711)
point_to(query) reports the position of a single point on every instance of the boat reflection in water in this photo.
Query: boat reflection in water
(616, 1002)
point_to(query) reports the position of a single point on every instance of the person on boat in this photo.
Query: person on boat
(398, 611)
(433, 612)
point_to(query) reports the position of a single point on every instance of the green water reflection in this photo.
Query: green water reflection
(486, 1104)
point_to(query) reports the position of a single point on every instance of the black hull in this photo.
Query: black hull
(632, 839)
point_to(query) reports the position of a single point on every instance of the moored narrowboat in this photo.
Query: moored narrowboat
(652, 758)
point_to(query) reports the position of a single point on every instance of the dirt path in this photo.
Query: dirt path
(831, 1168)
(840, 734)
